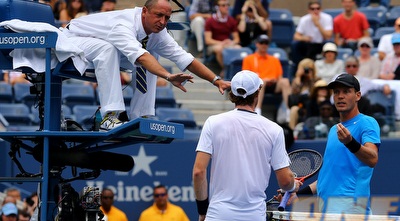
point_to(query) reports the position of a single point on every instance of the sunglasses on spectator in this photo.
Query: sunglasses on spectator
(364, 46)
(315, 8)
(396, 44)
(351, 66)
(160, 195)
(107, 197)
(264, 42)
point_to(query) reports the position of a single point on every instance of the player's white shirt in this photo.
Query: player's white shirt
(244, 146)
(306, 26)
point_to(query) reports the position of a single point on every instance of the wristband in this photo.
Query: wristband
(353, 145)
(216, 78)
(167, 77)
(293, 188)
(305, 191)
(202, 206)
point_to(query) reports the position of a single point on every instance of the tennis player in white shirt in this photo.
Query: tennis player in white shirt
(245, 147)
(112, 40)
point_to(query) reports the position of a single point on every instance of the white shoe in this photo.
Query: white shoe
(110, 122)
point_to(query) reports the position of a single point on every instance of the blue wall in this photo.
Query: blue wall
(171, 165)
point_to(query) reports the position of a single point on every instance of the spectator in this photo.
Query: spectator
(385, 45)
(302, 85)
(311, 32)
(107, 207)
(318, 94)
(9, 212)
(199, 12)
(318, 126)
(269, 69)
(23, 215)
(15, 77)
(370, 66)
(75, 9)
(56, 6)
(162, 209)
(13, 192)
(329, 66)
(390, 65)
(31, 203)
(350, 26)
(252, 25)
(221, 32)
(108, 5)
(262, 7)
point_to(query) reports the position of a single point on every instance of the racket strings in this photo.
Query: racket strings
(305, 163)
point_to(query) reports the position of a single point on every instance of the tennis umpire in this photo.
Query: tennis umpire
(351, 153)
(243, 146)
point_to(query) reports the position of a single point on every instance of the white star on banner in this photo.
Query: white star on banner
(142, 162)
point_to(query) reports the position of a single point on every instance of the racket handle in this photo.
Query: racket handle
(284, 200)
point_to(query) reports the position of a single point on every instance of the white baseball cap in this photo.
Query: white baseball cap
(247, 81)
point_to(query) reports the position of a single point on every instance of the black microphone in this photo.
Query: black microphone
(79, 158)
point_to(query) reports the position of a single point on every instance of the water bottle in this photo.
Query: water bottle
(97, 120)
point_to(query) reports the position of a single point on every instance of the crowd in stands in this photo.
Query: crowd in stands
(13, 207)
(314, 53)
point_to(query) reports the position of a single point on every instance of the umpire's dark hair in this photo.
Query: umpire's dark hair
(240, 100)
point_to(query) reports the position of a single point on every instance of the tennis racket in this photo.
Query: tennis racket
(305, 163)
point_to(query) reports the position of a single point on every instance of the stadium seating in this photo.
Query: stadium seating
(376, 16)
(22, 94)
(84, 115)
(344, 53)
(177, 115)
(283, 58)
(74, 94)
(283, 31)
(380, 32)
(388, 102)
(232, 57)
(127, 92)
(6, 94)
(16, 114)
(333, 11)
(165, 97)
(280, 13)
(392, 15)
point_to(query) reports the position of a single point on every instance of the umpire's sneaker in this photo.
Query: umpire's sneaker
(110, 122)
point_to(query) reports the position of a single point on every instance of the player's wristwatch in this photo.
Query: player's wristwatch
(216, 78)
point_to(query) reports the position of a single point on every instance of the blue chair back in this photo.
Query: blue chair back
(232, 59)
(73, 94)
(6, 94)
(26, 10)
(344, 53)
(177, 115)
(165, 97)
(333, 11)
(16, 114)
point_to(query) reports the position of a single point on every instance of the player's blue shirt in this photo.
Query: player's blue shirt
(343, 174)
